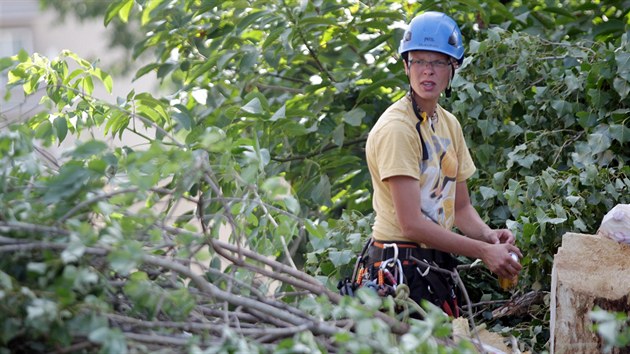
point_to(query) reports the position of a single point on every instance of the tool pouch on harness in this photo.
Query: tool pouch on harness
(384, 266)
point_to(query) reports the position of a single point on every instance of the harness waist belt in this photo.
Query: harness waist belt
(378, 252)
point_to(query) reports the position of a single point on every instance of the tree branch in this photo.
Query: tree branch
(322, 150)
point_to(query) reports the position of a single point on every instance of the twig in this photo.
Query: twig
(483, 303)
(220, 295)
(276, 266)
(322, 150)
(262, 307)
(185, 326)
(269, 335)
(240, 316)
(211, 327)
(158, 339)
(310, 50)
(317, 328)
(309, 282)
(565, 144)
(6, 226)
(287, 253)
(92, 201)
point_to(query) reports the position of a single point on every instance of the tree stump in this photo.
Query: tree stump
(588, 270)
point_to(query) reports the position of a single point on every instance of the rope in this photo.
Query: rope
(402, 300)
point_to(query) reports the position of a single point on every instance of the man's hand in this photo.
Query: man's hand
(499, 236)
(498, 259)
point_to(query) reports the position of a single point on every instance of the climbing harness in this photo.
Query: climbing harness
(403, 270)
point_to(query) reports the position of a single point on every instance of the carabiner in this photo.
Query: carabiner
(387, 245)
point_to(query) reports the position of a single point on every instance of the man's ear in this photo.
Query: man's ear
(406, 67)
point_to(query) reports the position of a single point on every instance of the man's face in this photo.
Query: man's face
(429, 73)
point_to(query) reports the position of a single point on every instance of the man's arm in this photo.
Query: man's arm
(414, 226)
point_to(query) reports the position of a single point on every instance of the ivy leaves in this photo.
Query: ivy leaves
(548, 143)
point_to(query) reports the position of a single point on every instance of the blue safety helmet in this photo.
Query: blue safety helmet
(436, 32)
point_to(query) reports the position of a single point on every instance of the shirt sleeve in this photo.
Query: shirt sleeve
(466, 164)
(397, 151)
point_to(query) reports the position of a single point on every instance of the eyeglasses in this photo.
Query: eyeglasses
(439, 64)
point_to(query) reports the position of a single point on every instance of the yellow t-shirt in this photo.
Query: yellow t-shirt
(394, 148)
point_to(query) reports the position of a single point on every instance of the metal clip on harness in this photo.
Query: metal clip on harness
(395, 261)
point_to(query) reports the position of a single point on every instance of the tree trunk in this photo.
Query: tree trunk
(588, 271)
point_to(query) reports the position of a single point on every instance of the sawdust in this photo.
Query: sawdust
(492, 342)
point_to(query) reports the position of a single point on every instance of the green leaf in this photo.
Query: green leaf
(559, 11)
(339, 258)
(116, 122)
(487, 127)
(273, 36)
(380, 85)
(598, 142)
(321, 193)
(31, 85)
(5, 63)
(61, 128)
(105, 78)
(89, 149)
(529, 230)
(126, 259)
(277, 187)
(279, 114)
(254, 106)
(251, 18)
(622, 87)
(44, 130)
(145, 70)
(292, 204)
(623, 64)
(22, 56)
(70, 179)
(620, 132)
(338, 135)
(113, 10)
(182, 116)
(42, 312)
(125, 10)
(111, 340)
(5, 281)
(562, 107)
(354, 117)
(87, 85)
(587, 119)
(315, 230)
(612, 26)
(543, 218)
(73, 252)
(487, 193)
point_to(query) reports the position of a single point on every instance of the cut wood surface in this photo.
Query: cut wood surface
(588, 271)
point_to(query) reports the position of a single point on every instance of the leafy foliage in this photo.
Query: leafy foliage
(253, 165)
(612, 327)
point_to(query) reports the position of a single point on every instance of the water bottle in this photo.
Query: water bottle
(509, 283)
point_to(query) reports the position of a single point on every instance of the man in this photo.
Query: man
(419, 164)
